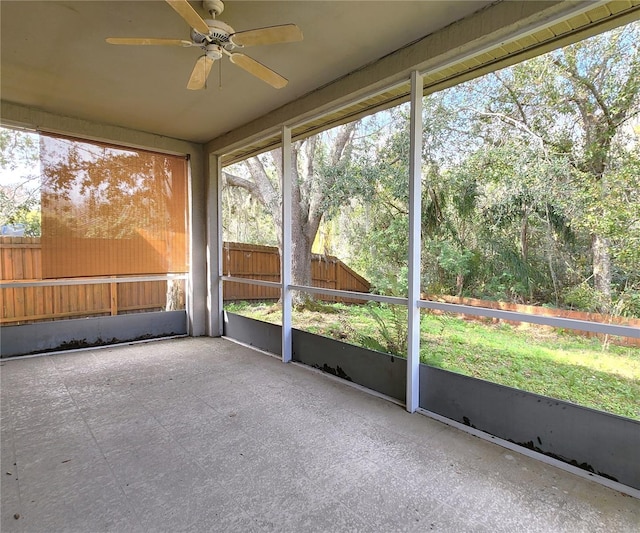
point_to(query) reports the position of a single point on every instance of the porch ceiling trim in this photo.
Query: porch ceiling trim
(495, 37)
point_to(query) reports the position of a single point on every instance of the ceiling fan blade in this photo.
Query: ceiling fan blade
(258, 70)
(285, 33)
(184, 9)
(200, 73)
(153, 42)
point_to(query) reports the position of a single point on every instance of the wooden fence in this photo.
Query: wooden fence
(20, 259)
(263, 263)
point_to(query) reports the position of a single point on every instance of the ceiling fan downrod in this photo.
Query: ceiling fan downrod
(213, 7)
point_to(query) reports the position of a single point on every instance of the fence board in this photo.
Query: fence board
(19, 301)
(17, 263)
(48, 300)
(9, 307)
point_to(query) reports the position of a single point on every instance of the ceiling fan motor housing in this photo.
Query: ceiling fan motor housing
(219, 33)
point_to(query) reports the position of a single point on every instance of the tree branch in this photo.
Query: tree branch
(510, 120)
(587, 84)
(514, 99)
(344, 136)
(237, 181)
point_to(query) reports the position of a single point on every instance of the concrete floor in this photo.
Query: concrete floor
(206, 435)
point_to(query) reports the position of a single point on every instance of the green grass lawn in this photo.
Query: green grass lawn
(527, 357)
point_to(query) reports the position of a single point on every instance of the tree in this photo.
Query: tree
(530, 181)
(20, 183)
(523, 171)
(323, 179)
(575, 102)
(246, 220)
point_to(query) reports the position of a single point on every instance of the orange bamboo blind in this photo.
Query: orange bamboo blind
(109, 210)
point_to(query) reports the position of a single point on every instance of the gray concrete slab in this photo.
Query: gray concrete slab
(206, 435)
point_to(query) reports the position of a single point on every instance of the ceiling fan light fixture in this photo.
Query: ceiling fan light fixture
(214, 51)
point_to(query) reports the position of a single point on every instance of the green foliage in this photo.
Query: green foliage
(246, 220)
(584, 297)
(628, 302)
(454, 261)
(20, 183)
(616, 215)
(521, 170)
(25, 213)
(391, 329)
(391, 283)
(18, 150)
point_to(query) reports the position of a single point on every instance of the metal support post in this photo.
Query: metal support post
(285, 259)
(214, 248)
(415, 207)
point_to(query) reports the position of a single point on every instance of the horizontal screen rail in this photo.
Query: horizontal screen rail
(18, 284)
(557, 322)
(353, 295)
(249, 281)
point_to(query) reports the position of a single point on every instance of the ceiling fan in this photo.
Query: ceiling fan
(216, 39)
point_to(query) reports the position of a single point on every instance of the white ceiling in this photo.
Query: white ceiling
(54, 57)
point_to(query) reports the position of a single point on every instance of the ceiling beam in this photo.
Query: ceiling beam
(21, 116)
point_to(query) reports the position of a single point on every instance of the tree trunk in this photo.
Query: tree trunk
(549, 252)
(300, 265)
(175, 295)
(524, 234)
(601, 268)
(459, 284)
(599, 243)
(310, 190)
